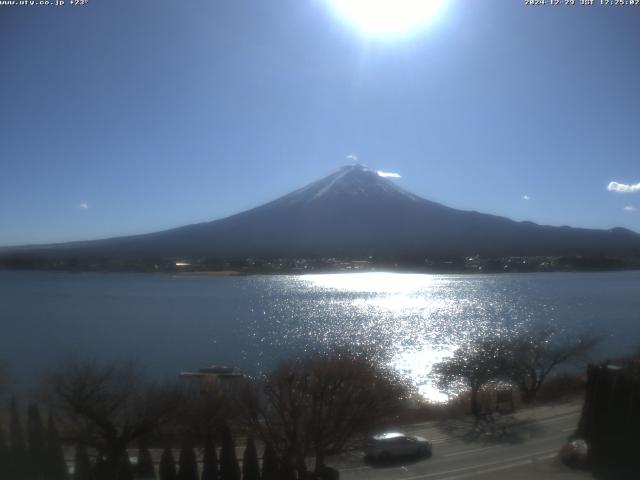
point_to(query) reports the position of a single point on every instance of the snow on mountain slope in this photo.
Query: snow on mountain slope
(349, 182)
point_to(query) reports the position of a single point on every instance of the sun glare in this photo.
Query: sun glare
(380, 18)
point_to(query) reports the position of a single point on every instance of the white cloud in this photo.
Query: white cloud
(623, 187)
(83, 205)
(352, 157)
(389, 174)
(630, 208)
(526, 197)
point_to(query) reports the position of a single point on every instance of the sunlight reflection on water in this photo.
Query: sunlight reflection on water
(419, 319)
(416, 318)
(175, 323)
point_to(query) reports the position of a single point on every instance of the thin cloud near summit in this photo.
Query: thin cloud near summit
(389, 174)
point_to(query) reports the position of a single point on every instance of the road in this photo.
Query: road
(520, 446)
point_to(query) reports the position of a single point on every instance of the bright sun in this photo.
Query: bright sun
(387, 17)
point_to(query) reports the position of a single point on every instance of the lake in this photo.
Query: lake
(174, 323)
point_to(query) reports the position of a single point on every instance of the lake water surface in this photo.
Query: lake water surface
(174, 323)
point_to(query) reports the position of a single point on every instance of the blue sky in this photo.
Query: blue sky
(125, 117)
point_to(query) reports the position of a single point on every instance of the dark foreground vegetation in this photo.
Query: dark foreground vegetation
(106, 421)
(288, 422)
(610, 419)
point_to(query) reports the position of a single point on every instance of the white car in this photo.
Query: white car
(395, 444)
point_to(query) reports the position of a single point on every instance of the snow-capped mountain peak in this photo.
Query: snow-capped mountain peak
(350, 181)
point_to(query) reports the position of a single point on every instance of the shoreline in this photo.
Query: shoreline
(327, 271)
(208, 273)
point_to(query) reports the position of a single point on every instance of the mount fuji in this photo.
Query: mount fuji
(353, 212)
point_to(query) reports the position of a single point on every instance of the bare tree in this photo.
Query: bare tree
(108, 405)
(526, 360)
(276, 409)
(532, 356)
(316, 406)
(349, 395)
(474, 366)
(204, 412)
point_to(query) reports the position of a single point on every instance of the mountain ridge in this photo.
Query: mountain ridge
(353, 212)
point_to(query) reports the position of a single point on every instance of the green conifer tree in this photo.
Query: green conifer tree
(250, 467)
(82, 465)
(37, 451)
(168, 466)
(188, 465)
(99, 469)
(229, 468)
(124, 468)
(270, 464)
(210, 461)
(56, 466)
(4, 455)
(144, 470)
(287, 472)
(18, 451)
